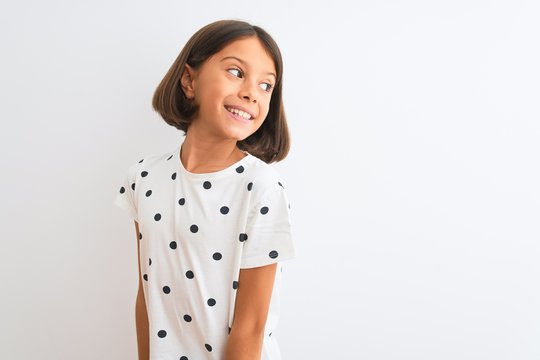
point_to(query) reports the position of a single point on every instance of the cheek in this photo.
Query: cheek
(207, 98)
(207, 87)
(266, 108)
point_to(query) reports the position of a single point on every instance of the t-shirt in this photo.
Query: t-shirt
(196, 231)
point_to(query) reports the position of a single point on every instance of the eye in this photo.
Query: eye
(268, 87)
(235, 69)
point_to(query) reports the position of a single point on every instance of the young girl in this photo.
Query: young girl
(212, 218)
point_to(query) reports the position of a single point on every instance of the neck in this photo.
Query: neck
(201, 155)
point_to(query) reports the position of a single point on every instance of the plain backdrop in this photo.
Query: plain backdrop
(413, 173)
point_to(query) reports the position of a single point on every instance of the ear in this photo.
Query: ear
(187, 82)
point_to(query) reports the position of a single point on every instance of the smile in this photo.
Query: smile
(239, 113)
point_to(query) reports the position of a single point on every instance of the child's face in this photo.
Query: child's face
(223, 82)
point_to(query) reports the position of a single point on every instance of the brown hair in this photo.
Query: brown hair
(271, 142)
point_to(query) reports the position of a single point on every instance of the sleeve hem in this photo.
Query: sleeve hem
(264, 260)
(123, 205)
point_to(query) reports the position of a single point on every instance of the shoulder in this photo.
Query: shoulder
(266, 180)
(147, 163)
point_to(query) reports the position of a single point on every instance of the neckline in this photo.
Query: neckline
(229, 169)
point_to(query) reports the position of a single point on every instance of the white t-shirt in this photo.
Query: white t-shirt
(196, 232)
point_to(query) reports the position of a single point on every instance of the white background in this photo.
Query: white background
(413, 174)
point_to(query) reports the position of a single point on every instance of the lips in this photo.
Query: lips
(240, 111)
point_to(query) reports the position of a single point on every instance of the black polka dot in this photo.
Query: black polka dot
(144, 173)
(217, 256)
(157, 217)
(166, 289)
(211, 302)
(187, 318)
(208, 347)
(189, 274)
(269, 334)
(229, 329)
(162, 333)
(280, 184)
(133, 186)
(264, 210)
(149, 261)
(273, 254)
(224, 210)
(240, 169)
(148, 193)
(243, 237)
(140, 235)
(122, 190)
(184, 358)
(182, 201)
(250, 186)
(141, 161)
(207, 185)
(194, 228)
(169, 158)
(173, 176)
(145, 277)
(172, 245)
(235, 284)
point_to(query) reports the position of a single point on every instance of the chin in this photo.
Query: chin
(240, 135)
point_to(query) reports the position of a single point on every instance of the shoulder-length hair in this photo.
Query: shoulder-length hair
(271, 142)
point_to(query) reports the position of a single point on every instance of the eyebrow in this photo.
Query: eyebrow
(244, 63)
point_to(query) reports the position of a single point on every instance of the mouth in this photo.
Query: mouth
(239, 114)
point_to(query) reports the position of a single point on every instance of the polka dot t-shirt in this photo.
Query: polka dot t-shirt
(196, 231)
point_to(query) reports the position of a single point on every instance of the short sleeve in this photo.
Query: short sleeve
(268, 237)
(125, 194)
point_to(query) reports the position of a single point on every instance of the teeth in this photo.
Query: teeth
(241, 113)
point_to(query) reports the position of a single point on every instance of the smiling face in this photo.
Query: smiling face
(239, 78)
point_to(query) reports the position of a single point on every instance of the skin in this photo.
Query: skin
(141, 315)
(210, 142)
(210, 145)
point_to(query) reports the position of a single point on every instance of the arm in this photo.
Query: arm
(141, 316)
(250, 313)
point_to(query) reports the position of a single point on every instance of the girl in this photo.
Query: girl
(212, 218)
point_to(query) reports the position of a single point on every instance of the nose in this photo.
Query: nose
(248, 98)
(248, 93)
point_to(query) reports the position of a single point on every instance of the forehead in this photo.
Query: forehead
(251, 51)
